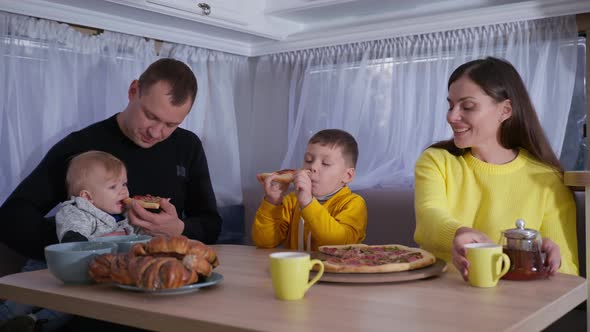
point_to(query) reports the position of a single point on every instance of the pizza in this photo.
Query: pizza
(284, 175)
(362, 258)
(146, 201)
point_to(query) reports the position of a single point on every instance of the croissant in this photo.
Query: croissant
(99, 268)
(111, 268)
(160, 272)
(177, 246)
(160, 263)
(197, 264)
(120, 269)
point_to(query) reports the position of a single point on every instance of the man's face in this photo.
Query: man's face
(151, 117)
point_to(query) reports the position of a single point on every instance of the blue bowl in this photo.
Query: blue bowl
(124, 242)
(68, 262)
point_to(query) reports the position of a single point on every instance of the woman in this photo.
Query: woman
(498, 168)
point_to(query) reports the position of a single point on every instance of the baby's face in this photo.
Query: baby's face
(329, 171)
(108, 191)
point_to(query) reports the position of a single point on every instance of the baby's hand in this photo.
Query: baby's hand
(302, 183)
(274, 191)
(117, 233)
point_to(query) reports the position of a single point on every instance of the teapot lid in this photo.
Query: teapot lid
(520, 232)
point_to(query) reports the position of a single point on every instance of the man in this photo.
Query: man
(161, 159)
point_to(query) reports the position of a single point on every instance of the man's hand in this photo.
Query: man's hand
(302, 183)
(463, 236)
(274, 191)
(164, 223)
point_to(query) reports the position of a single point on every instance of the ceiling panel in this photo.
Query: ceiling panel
(255, 27)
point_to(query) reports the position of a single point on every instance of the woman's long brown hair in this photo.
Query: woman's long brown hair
(500, 80)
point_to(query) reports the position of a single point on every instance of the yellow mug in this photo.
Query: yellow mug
(487, 264)
(290, 274)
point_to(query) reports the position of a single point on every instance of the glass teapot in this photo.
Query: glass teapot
(523, 247)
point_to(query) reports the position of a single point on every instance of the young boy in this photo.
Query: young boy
(322, 210)
(97, 183)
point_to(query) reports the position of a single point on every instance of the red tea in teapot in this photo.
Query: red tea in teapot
(524, 265)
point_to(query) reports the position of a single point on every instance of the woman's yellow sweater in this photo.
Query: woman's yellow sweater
(452, 192)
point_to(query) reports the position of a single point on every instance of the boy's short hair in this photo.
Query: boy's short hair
(83, 164)
(338, 138)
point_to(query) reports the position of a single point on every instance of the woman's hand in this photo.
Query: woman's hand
(463, 236)
(552, 255)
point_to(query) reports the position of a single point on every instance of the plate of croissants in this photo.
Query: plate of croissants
(163, 265)
(213, 279)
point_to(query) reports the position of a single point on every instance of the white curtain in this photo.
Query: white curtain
(213, 116)
(56, 80)
(256, 115)
(391, 94)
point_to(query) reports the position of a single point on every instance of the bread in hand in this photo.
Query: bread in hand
(283, 176)
(147, 201)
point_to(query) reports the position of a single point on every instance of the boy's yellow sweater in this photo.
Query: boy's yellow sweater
(452, 192)
(342, 219)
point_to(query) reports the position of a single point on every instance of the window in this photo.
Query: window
(574, 153)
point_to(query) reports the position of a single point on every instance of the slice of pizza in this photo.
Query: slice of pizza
(361, 258)
(284, 175)
(146, 201)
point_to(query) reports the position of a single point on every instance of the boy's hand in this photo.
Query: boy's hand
(302, 183)
(274, 191)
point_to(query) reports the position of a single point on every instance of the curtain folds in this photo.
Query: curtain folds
(256, 115)
(391, 94)
(57, 80)
(213, 116)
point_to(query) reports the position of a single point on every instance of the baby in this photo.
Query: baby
(97, 184)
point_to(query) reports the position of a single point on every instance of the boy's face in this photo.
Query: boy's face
(329, 169)
(107, 191)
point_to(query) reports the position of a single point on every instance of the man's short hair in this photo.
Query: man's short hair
(182, 80)
(82, 165)
(338, 138)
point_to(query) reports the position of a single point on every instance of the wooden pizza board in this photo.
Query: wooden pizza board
(438, 268)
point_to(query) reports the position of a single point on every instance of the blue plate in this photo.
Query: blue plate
(213, 279)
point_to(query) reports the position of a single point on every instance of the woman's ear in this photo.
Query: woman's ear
(506, 110)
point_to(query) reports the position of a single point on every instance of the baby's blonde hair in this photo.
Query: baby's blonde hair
(82, 165)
